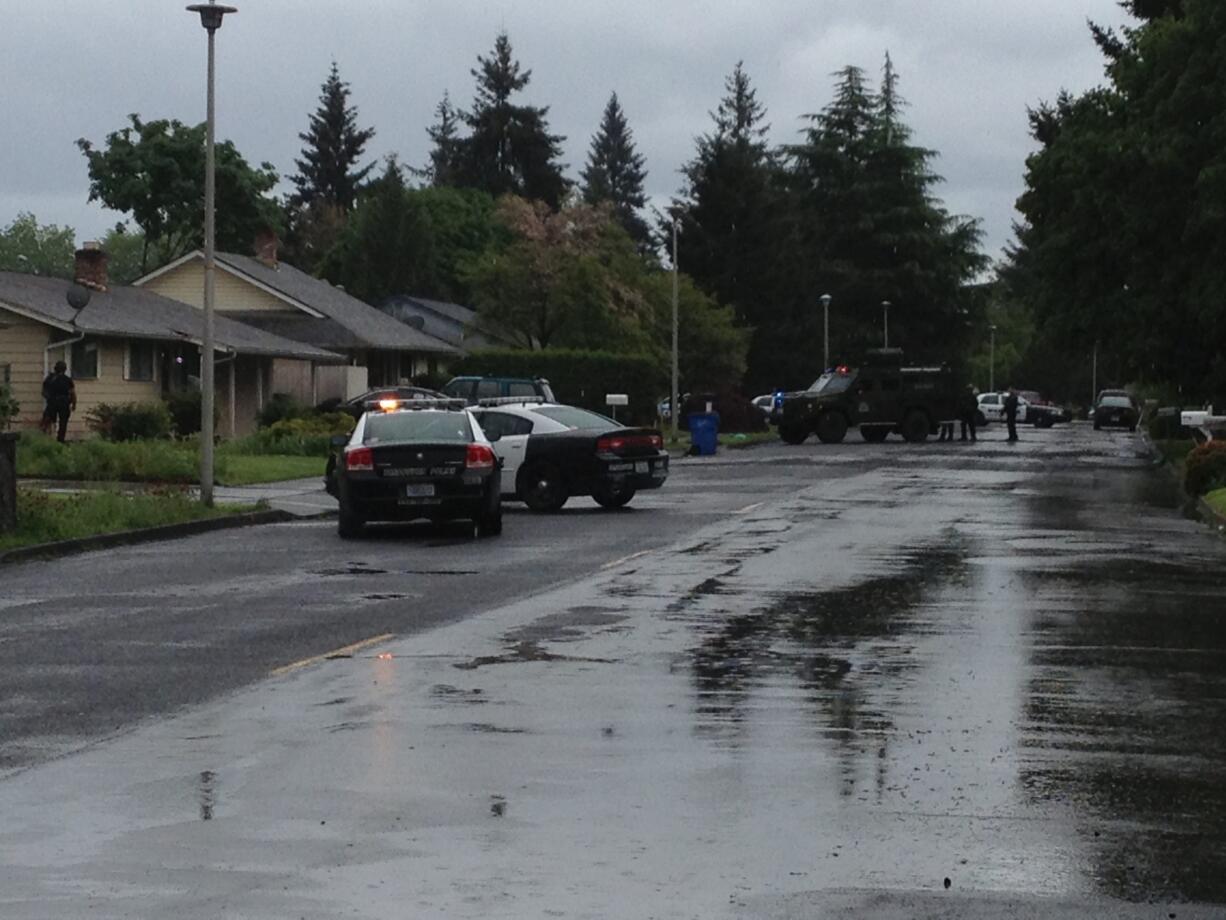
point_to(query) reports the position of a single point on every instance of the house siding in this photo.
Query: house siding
(109, 386)
(230, 294)
(21, 348)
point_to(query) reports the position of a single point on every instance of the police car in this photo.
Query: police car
(411, 459)
(552, 452)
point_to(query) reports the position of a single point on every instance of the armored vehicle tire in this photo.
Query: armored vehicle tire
(874, 434)
(831, 427)
(915, 427)
(543, 488)
(793, 434)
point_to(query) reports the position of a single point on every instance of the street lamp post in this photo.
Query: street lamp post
(211, 15)
(825, 302)
(673, 400)
(992, 358)
(885, 321)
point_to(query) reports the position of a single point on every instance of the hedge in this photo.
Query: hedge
(579, 378)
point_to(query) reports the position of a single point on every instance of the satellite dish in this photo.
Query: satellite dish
(78, 296)
(417, 322)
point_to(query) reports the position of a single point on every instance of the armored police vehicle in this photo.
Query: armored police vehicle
(879, 397)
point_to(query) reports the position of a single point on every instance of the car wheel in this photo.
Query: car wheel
(831, 427)
(349, 525)
(613, 497)
(543, 488)
(915, 427)
(874, 434)
(488, 525)
(981, 420)
(793, 434)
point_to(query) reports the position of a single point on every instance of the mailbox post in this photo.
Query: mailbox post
(613, 400)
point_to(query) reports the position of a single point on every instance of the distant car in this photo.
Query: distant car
(550, 452)
(419, 459)
(1116, 408)
(1041, 412)
(992, 405)
(358, 404)
(474, 389)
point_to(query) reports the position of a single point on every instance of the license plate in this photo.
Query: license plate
(419, 490)
(642, 467)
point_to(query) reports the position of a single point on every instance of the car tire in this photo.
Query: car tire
(543, 488)
(831, 427)
(349, 525)
(793, 434)
(489, 525)
(981, 420)
(613, 498)
(915, 427)
(874, 434)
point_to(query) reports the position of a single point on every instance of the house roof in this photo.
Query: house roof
(362, 325)
(451, 322)
(131, 312)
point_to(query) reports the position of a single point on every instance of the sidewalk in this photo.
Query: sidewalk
(299, 497)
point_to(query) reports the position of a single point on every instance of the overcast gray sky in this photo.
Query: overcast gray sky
(969, 68)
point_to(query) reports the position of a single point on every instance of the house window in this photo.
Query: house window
(139, 361)
(84, 363)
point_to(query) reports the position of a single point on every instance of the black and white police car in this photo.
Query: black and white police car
(412, 459)
(552, 452)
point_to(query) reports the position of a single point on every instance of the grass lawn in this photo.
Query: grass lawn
(45, 518)
(247, 469)
(1217, 500)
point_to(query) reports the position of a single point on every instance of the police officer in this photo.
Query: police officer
(969, 407)
(1011, 413)
(60, 394)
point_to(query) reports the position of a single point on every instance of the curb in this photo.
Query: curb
(144, 535)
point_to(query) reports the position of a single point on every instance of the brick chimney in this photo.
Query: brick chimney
(90, 268)
(266, 247)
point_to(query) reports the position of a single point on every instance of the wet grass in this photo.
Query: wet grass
(50, 517)
(1217, 501)
(246, 469)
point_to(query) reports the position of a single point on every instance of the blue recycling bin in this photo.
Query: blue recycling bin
(704, 432)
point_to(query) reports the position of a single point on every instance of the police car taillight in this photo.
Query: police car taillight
(479, 457)
(607, 445)
(620, 442)
(359, 459)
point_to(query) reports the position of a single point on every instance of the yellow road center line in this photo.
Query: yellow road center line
(616, 562)
(345, 652)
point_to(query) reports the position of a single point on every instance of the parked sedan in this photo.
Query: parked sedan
(992, 406)
(550, 452)
(1116, 409)
(421, 459)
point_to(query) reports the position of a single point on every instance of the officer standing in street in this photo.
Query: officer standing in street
(60, 394)
(1011, 413)
(969, 408)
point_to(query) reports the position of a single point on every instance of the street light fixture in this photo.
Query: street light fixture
(211, 15)
(885, 320)
(825, 302)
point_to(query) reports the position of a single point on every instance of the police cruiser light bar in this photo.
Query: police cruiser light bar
(396, 405)
(509, 400)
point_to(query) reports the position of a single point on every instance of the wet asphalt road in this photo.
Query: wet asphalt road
(889, 681)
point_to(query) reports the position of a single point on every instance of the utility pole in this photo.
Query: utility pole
(825, 302)
(885, 314)
(992, 359)
(674, 407)
(210, 17)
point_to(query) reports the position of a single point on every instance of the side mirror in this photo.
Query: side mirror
(339, 440)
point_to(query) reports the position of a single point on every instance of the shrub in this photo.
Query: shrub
(1205, 468)
(309, 436)
(279, 408)
(105, 461)
(8, 407)
(130, 421)
(185, 408)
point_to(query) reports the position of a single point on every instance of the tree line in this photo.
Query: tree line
(491, 220)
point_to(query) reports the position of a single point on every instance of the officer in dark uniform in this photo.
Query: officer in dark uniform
(1011, 413)
(60, 394)
(968, 409)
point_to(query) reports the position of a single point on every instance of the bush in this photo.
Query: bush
(1205, 468)
(130, 421)
(105, 461)
(185, 408)
(9, 407)
(279, 408)
(297, 437)
(580, 378)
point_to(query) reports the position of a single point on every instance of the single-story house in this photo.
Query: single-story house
(128, 344)
(274, 296)
(454, 323)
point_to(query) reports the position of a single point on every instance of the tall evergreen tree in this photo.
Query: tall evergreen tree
(731, 220)
(334, 145)
(509, 149)
(444, 169)
(614, 173)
